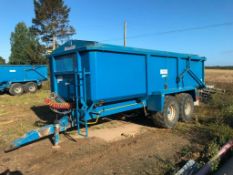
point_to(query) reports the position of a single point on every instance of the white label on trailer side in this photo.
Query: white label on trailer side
(12, 70)
(163, 71)
(59, 79)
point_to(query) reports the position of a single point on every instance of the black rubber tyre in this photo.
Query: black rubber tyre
(170, 115)
(186, 106)
(16, 89)
(31, 87)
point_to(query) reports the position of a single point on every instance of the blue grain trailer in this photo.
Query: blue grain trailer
(90, 80)
(17, 79)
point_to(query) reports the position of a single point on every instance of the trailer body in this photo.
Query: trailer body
(22, 74)
(104, 79)
(100, 80)
(107, 73)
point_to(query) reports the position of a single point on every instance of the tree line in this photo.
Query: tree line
(50, 28)
(219, 67)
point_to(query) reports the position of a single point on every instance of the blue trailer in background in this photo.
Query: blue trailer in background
(17, 79)
(90, 80)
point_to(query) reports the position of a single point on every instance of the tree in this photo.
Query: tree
(2, 60)
(51, 23)
(25, 48)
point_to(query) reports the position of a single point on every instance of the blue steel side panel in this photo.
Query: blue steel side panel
(64, 63)
(36, 73)
(196, 67)
(117, 75)
(65, 86)
(62, 75)
(11, 73)
(24, 73)
(162, 73)
(156, 102)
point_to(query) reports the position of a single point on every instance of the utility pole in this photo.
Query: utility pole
(54, 42)
(125, 32)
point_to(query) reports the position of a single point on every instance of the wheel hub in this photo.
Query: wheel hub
(18, 90)
(32, 88)
(171, 114)
(187, 109)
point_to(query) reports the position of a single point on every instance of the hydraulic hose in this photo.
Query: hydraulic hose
(57, 105)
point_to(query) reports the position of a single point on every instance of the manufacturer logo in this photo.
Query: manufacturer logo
(69, 48)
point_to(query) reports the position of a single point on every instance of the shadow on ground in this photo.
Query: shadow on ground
(136, 117)
(47, 116)
(8, 172)
(44, 113)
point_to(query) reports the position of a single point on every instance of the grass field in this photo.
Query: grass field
(133, 145)
(219, 75)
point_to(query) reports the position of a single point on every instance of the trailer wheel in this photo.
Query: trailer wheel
(186, 106)
(16, 89)
(31, 87)
(170, 115)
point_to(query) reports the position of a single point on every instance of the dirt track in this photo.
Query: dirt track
(145, 153)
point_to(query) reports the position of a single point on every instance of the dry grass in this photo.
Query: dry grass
(17, 116)
(219, 75)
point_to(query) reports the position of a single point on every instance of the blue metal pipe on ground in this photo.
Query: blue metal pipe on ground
(34, 135)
